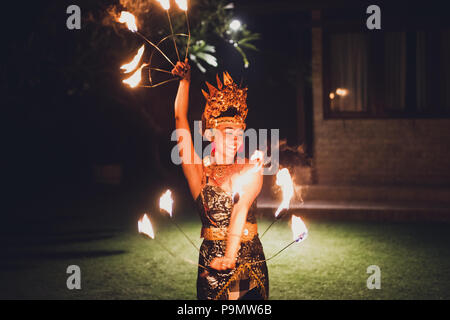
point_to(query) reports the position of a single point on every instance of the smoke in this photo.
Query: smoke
(299, 164)
(291, 156)
(136, 7)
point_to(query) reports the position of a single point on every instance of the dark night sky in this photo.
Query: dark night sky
(55, 136)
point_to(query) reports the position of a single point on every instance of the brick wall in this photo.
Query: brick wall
(373, 152)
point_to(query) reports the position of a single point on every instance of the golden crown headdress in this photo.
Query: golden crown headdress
(222, 99)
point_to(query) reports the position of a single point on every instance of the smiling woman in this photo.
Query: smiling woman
(227, 140)
(231, 249)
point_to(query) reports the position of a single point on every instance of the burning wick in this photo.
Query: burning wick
(284, 180)
(145, 228)
(182, 4)
(299, 230)
(130, 20)
(133, 64)
(166, 203)
(166, 5)
(299, 234)
(134, 80)
(131, 23)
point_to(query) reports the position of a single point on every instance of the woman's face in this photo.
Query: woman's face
(228, 139)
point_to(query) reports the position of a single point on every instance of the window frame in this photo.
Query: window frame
(376, 108)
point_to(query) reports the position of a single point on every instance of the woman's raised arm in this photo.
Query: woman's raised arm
(190, 161)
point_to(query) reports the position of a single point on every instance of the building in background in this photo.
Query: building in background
(380, 124)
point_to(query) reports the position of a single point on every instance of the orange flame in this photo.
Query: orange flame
(165, 4)
(284, 180)
(129, 20)
(145, 227)
(299, 230)
(133, 64)
(182, 4)
(166, 202)
(134, 80)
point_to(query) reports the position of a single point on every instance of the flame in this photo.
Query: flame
(284, 180)
(165, 4)
(166, 202)
(145, 227)
(133, 64)
(299, 230)
(182, 4)
(134, 80)
(129, 20)
(244, 179)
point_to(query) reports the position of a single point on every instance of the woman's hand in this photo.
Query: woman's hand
(223, 263)
(183, 70)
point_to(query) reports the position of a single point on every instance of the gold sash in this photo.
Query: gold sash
(249, 232)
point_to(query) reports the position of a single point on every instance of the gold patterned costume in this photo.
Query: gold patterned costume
(249, 279)
(215, 206)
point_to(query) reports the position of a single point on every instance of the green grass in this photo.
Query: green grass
(117, 263)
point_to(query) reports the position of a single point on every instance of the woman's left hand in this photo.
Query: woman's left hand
(223, 263)
(183, 70)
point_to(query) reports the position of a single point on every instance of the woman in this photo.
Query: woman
(231, 258)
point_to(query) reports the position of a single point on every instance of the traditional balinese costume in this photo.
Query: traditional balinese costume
(249, 279)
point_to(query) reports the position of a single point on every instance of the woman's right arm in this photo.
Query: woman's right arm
(190, 161)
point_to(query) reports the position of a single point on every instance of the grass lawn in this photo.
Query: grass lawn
(117, 263)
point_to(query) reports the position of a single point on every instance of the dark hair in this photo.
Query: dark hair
(230, 112)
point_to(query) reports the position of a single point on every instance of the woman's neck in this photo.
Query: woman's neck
(220, 159)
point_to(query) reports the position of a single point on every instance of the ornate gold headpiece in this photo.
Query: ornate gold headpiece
(222, 99)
